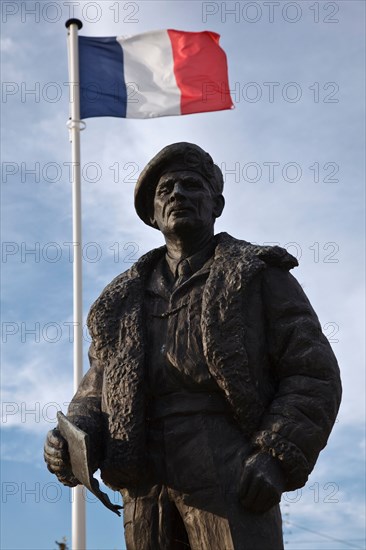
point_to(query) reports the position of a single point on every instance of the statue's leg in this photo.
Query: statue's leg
(141, 518)
(152, 522)
(205, 530)
(251, 531)
(231, 529)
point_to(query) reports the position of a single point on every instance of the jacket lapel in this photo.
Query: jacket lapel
(117, 326)
(223, 327)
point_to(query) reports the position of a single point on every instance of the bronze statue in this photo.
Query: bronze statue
(211, 387)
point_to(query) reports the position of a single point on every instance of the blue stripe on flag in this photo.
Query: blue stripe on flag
(102, 84)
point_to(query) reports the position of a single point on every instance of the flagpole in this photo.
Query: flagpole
(74, 125)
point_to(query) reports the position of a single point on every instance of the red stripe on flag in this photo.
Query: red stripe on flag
(200, 69)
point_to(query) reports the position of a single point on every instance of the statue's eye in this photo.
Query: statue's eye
(163, 189)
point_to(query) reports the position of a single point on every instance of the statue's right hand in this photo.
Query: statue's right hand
(57, 458)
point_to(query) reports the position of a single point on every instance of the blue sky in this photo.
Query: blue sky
(311, 52)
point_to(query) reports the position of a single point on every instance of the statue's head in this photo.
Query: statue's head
(180, 189)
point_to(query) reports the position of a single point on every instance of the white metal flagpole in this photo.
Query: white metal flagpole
(75, 125)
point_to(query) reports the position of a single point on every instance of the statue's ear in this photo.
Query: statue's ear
(218, 206)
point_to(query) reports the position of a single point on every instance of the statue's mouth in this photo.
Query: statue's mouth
(179, 210)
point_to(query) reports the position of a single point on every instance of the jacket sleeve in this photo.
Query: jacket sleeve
(85, 408)
(298, 421)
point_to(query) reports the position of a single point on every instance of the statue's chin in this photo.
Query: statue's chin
(185, 226)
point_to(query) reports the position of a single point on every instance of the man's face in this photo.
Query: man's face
(183, 203)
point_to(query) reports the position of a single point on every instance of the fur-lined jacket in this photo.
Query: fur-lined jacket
(263, 345)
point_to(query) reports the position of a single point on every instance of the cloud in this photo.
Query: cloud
(34, 390)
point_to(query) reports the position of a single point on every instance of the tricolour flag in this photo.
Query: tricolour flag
(153, 74)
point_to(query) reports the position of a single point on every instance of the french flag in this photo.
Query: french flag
(159, 73)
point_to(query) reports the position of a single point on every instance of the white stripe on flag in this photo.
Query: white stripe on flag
(149, 69)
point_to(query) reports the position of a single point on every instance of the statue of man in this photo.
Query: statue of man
(211, 389)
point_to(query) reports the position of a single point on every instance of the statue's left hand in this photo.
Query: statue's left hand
(262, 483)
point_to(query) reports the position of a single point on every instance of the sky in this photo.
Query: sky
(292, 155)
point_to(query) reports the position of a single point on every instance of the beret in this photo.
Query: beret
(174, 157)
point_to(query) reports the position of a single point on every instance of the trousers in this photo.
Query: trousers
(190, 500)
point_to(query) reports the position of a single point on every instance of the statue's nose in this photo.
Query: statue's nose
(178, 189)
